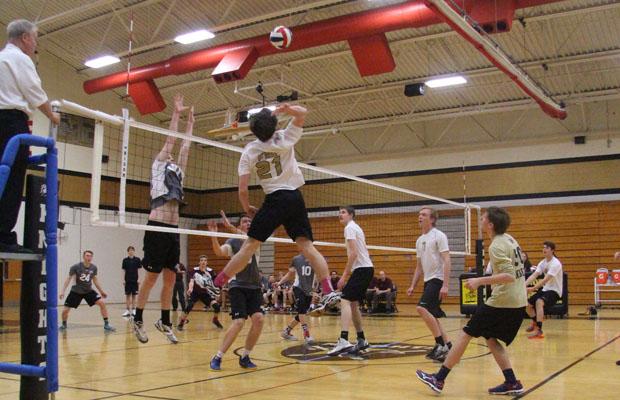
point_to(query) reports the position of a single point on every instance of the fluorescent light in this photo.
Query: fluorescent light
(443, 82)
(102, 61)
(195, 36)
(256, 110)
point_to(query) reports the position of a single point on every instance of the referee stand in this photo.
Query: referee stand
(38, 320)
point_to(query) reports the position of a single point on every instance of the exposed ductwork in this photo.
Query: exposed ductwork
(365, 32)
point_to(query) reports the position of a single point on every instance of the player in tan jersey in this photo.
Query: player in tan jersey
(501, 316)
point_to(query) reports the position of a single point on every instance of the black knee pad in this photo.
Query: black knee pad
(216, 307)
(297, 317)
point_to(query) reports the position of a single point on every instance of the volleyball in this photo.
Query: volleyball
(280, 37)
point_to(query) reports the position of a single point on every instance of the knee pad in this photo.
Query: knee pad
(216, 307)
(297, 317)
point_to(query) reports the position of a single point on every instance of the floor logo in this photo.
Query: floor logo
(376, 351)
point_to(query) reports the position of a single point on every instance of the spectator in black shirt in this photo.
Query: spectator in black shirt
(178, 294)
(131, 265)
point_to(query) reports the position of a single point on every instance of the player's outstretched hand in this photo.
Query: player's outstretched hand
(178, 103)
(410, 291)
(252, 211)
(212, 226)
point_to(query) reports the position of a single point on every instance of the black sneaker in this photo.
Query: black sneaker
(507, 388)
(431, 354)
(245, 362)
(217, 324)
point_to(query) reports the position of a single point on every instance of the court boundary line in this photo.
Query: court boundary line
(566, 368)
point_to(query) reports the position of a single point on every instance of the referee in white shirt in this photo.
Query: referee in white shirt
(20, 95)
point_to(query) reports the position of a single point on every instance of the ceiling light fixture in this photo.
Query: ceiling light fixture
(444, 82)
(102, 61)
(195, 36)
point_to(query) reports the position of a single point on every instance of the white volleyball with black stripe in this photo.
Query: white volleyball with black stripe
(281, 37)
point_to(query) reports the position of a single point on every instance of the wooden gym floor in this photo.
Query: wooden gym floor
(576, 360)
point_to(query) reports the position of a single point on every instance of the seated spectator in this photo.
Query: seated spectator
(383, 291)
(370, 293)
(334, 279)
(268, 292)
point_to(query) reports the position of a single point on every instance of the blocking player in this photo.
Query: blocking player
(201, 288)
(301, 271)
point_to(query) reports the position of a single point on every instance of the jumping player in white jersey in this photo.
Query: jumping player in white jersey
(272, 157)
(302, 272)
(360, 270)
(433, 265)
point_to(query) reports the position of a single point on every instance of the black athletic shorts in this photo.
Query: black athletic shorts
(302, 300)
(131, 288)
(355, 289)
(196, 297)
(282, 207)
(161, 249)
(74, 299)
(492, 322)
(245, 302)
(550, 297)
(430, 297)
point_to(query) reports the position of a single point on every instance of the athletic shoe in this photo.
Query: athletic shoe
(326, 301)
(126, 314)
(441, 353)
(430, 380)
(287, 336)
(217, 324)
(431, 354)
(138, 329)
(362, 344)
(62, 328)
(109, 328)
(181, 324)
(618, 362)
(245, 362)
(531, 327)
(507, 388)
(538, 334)
(341, 346)
(216, 363)
(167, 331)
(310, 341)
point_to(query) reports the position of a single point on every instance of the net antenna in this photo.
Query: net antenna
(383, 206)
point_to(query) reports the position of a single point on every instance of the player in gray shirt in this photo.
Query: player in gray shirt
(85, 275)
(303, 274)
(246, 298)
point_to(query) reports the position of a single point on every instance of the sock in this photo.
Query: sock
(509, 375)
(138, 316)
(304, 327)
(439, 341)
(64, 323)
(449, 344)
(219, 354)
(539, 325)
(442, 374)
(360, 335)
(246, 353)
(344, 335)
(105, 321)
(165, 317)
(326, 285)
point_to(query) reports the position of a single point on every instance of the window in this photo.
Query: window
(76, 130)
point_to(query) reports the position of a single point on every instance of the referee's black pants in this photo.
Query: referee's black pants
(12, 122)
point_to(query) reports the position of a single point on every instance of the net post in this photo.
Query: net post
(95, 188)
(480, 255)
(33, 313)
(124, 163)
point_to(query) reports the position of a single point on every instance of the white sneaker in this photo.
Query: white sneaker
(441, 353)
(138, 329)
(309, 340)
(126, 314)
(287, 336)
(341, 346)
(360, 345)
(326, 301)
(167, 331)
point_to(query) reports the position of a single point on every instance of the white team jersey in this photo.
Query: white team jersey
(353, 232)
(429, 247)
(553, 268)
(274, 160)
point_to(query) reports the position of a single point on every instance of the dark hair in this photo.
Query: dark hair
(263, 124)
(499, 218)
(243, 216)
(349, 210)
(131, 248)
(88, 251)
(434, 214)
(549, 244)
(200, 257)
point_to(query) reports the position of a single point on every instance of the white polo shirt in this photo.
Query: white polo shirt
(274, 160)
(552, 267)
(20, 85)
(353, 232)
(429, 247)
